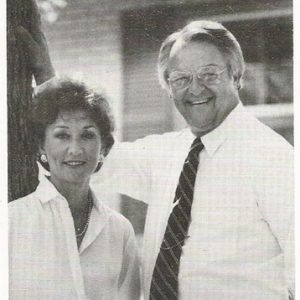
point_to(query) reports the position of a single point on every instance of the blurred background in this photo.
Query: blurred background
(114, 44)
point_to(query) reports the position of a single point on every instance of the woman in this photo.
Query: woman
(64, 243)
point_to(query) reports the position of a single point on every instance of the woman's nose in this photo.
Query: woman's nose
(196, 86)
(75, 147)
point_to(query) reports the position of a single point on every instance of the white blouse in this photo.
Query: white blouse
(45, 263)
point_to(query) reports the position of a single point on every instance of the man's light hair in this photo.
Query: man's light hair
(202, 31)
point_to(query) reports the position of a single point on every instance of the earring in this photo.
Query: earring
(43, 158)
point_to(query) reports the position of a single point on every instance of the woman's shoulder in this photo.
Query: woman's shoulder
(23, 205)
(115, 216)
(24, 214)
(25, 201)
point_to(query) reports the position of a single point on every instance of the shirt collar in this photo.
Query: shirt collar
(99, 206)
(98, 220)
(214, 139)
(46, 191)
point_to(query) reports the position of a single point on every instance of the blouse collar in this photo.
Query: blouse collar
(47, 192)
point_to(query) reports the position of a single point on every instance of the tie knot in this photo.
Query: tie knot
(197, 145)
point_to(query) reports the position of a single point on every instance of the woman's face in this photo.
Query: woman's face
(72, 146)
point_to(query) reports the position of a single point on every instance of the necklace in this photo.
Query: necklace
(83, 231)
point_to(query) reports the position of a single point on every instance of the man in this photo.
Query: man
(220, 194)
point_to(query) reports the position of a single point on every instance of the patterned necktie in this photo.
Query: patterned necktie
(164, 284)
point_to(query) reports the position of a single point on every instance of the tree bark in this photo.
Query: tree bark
(22, 167)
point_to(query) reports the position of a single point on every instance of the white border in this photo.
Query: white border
(3, 160)
(297, 140)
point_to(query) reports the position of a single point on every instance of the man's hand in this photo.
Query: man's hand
(38, 55)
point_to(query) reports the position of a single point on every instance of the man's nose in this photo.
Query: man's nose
(196, 86)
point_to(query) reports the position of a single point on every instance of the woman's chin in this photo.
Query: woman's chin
(71, 179)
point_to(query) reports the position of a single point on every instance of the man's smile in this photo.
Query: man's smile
(199, 102)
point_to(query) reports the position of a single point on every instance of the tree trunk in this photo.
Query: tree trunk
(22, 167)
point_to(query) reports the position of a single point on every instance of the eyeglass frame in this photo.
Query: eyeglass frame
(191, 77)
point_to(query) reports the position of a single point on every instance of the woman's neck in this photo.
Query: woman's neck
(75, 193)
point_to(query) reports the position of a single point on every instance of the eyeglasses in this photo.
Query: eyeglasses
(209, 75)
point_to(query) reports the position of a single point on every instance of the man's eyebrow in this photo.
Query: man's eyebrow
(89, 126)
(208, 65)
(61, 126)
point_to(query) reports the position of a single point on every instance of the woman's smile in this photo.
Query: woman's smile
(74, 163)
(72, 146)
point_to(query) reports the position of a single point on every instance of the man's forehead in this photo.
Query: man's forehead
(195, 55)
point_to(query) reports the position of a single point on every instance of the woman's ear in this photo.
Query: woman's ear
(41, 149)
(236, 82)
(100, 161)
(101, 157)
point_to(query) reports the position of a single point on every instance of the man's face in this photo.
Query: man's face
(204, 100)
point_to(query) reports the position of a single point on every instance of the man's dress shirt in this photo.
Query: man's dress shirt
(45, 263)
(240, 243)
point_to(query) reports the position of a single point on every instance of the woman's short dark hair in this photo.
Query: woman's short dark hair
(65, 94)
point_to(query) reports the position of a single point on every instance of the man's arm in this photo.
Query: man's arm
(276, 202)
(127, 170)
(38, 54)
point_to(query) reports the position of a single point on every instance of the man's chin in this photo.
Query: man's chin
(203, 129)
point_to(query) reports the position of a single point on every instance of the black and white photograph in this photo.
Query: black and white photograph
(150, 150)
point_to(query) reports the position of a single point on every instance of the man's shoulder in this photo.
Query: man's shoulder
(155, 142)
(167, 139)
(168, 136)
(260, 142)
(265, 135)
